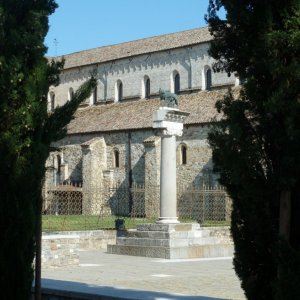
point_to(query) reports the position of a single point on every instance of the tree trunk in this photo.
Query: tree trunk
(38, 263)
(285, 215)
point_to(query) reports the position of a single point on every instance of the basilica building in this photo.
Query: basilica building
(111, 142)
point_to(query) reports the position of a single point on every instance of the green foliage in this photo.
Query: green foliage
(289, 273)
(26, 131)
(256, 148)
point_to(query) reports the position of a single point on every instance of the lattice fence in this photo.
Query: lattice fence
(77, 207)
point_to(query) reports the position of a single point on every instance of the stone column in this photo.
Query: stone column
(168, 123)
(152, 176)
(168, 195)
(93, 164)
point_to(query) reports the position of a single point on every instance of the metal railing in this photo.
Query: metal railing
(69, 207)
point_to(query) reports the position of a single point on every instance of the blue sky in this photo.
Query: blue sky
(83, 24)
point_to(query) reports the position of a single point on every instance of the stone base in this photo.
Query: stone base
(172, 241)
(167, 221)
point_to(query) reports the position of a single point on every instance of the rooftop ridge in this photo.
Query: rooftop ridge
(136, 47)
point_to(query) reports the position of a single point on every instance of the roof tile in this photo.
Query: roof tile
(138, 47)
(138, 114)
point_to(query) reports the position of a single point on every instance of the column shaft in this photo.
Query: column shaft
(168, 198)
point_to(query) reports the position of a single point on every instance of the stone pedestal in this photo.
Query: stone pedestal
(173, 241)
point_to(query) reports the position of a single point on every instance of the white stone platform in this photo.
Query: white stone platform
(172, 241)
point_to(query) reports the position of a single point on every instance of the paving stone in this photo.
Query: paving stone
(131, 277)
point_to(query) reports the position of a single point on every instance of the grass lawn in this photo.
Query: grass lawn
(212, 223)
(82, 222)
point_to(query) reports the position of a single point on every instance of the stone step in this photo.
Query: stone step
(159, 252)
(202, 251)
(168, 227)
(166, 235)
(177, 242)
(196, 251)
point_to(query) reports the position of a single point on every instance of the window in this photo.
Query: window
(208, 80)
(147, 88)
(93, 98)
(52, 101)
(94, 95)
(57, 168)
(118, 91)
(183, 156)
(116, 158)
(70, 94)
(177, 83)
(58, 159)
(240, 80)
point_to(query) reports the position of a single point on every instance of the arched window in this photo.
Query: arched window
(183, 154)
(147, 88)
(118, 91)
(58, 159)
(52, 101)
(70, 94)
(208, 80)
(57, 169)
(177, 83)
(93, 97)
(116, 158)
(240, 81)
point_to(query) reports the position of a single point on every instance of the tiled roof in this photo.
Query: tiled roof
(142, 46)
(138, 114)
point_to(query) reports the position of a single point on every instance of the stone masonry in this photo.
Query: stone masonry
(104, 126)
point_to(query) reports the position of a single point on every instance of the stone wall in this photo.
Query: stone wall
(190, 62)
(196, 171)
(91, 239)
(72, 156)
(60, 250)
(93, 162)
(198, 168)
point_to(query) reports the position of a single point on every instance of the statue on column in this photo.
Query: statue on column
(168, 99)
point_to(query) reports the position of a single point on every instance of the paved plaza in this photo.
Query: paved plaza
(131, 277)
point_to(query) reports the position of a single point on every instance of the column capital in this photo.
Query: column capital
(168, 121)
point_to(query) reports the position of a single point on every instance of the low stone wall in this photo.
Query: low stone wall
(222, 233)
(219, 231)
(60, 250)
(94, 239)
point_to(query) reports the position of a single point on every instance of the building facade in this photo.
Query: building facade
(111, 141)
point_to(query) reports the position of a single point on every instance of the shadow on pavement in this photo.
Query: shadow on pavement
(82, 291)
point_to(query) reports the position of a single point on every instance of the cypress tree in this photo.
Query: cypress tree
(26, 132)
(256, 148)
